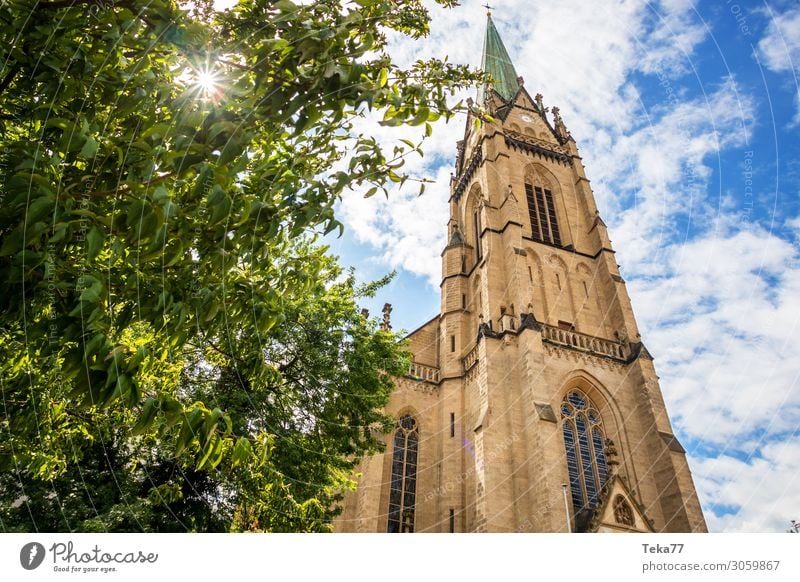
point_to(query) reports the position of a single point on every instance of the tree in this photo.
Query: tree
(160, 169)
(318, 413)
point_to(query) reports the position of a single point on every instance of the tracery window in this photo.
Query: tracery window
(403, 486)
(585, 447)
(542, 212)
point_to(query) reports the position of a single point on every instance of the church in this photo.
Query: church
(532, 404)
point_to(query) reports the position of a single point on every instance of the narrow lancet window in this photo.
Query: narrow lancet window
(477, 220)
(403, 486)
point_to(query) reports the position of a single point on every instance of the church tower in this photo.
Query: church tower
(532, 404)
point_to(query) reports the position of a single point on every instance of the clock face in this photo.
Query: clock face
(527, 118)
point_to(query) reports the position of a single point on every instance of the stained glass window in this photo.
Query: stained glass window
(403, 484)
(585, 448)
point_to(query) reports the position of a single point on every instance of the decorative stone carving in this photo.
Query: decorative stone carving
(582, 358)
(560, 129)
(419, 386)
(386, 325)
(485, 330)
(623, 513)
(611, 456)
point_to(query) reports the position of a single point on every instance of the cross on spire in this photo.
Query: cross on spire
(488, 8)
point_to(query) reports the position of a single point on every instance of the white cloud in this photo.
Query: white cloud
(407, 230)
(717, 319)
(720, 319)
(659, 172)
(760, 494)
(668, 49)
(779, 50)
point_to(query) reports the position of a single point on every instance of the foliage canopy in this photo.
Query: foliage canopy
(167, 319)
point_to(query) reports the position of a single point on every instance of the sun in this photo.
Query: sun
(204, 82)
(207, 81)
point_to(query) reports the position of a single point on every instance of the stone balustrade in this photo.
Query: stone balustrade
(471, 358)
(424, 373)
(585, 343)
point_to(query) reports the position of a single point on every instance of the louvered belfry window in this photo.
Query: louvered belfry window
(542, 212)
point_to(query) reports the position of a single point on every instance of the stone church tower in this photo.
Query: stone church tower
(532, 404)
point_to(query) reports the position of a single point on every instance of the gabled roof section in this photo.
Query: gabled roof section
(411, 334)
(619, 511)
(498, 64)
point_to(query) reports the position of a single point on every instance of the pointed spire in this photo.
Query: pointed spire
(498, 64)
(558, 124)
(386, 325)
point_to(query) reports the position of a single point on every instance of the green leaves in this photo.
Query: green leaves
(241, 452)
(39, 208)
(94, 242)
(153, 234)
(219, 203)
(146, 417)
(89, 148)
(91, 290)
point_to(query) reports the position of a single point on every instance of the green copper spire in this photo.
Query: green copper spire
(498, 64)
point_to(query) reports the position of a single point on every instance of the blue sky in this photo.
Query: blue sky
(687, 117)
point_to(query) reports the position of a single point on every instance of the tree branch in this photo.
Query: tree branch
(235, 65)
(284, 367)
(9, 77)
(125, 187)
(56, 4)
(218, 350)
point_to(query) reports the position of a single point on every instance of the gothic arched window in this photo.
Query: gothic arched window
(586, 458)
(542, 212)
(403, 486)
